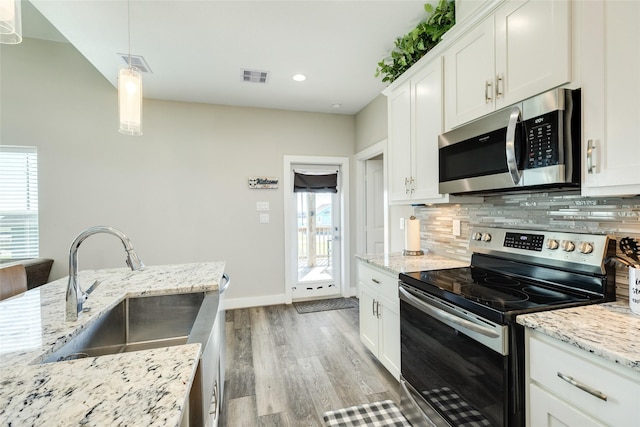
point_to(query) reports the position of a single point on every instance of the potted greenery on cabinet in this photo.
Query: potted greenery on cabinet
(414, 45)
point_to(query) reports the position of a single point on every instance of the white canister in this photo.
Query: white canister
(634, 290)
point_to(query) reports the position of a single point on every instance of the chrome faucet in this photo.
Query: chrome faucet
(75, 295)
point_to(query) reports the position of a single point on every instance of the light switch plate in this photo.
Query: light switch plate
(401, 223)
(262, 206)
(264, 218)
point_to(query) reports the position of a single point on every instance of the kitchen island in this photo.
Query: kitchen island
(149, 387)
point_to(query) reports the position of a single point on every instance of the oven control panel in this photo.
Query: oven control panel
(588, 249)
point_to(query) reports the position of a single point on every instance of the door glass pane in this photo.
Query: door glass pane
(315, 236)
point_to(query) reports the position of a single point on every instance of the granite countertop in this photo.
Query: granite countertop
(397, 263)
(147, 387)
(609, 330)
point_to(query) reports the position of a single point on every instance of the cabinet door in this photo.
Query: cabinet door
(469, 72)
(389, 350)
(368, 319)
(399, 152)
(427, 90)
(610, 93)
(549, 411)
(532, 48)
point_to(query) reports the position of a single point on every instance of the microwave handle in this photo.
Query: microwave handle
(512, 161)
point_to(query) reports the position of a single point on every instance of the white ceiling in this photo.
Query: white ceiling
(198, 49)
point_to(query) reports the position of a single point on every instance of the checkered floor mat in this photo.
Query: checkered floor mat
(376, 414)
(456, 408)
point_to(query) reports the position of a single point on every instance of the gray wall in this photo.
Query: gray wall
(179, 191)
(371, 123)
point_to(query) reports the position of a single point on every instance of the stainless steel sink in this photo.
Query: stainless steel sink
(139, 323)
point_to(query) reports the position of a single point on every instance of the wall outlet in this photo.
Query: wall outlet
(401, 223)
(262, 206)
(264, 218)
(457, 228)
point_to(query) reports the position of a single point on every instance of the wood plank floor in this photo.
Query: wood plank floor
(286, 369)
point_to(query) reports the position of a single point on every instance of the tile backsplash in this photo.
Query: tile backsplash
(619, 217)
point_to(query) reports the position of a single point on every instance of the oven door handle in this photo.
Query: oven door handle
(442, 315)
(510, 148)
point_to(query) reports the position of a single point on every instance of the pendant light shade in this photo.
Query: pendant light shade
(129, 91)
(10, 22)
(130, 101)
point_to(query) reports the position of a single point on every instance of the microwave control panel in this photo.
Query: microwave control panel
(542, 136)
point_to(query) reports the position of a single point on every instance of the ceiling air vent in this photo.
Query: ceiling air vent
(137, 61)
(254, 76)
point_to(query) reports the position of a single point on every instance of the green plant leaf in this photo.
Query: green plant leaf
(417, 42)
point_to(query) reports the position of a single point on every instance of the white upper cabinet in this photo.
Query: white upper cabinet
(610, 66)
(415, 122)
(427, 116)
(522, 50)
(399, 143)
(469, 80)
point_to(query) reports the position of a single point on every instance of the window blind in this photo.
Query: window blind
(18, 202)
(303, 183)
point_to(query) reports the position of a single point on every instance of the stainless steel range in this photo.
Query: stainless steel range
(462, 354)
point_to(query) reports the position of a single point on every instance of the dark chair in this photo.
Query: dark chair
(13, 281)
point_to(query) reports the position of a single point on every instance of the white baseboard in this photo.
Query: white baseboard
(234, 303)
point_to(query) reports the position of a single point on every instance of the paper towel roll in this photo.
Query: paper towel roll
(412, 235)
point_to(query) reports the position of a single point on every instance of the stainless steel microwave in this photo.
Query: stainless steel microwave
(533, 145)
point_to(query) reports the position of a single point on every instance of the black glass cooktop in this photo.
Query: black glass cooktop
(501, 294)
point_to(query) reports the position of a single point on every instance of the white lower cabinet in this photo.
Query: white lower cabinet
(570, 387)
(380, 315)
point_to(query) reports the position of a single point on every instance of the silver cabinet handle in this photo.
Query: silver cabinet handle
(583, 387)
(378, 309)
(412, 185)
(510, 147)
(377, 282)
(487, 91)
(227, 280)
(373, 307)
(591, 168)
(406, 186)
(499, 82)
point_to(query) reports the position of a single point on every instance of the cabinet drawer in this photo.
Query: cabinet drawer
(386, 283)
(548, 360)
(551, 411)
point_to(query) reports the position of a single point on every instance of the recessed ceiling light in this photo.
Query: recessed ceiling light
(336, 106)
(299, 77)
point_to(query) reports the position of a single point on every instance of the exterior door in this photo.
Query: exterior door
(317, 245)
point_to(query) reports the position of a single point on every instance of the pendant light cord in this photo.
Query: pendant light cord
(129, 29)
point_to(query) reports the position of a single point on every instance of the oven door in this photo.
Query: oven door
(455, 365)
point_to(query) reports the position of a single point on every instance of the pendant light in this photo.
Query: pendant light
(130, 92)
(10, 21)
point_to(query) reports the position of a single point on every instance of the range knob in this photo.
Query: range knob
(552, 244)
(477, 236)
(486, 237)
(585, 248)
(568, 246)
